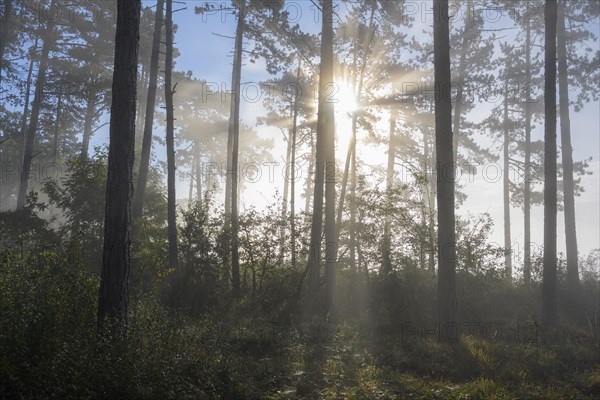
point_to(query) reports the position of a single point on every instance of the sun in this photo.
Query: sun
(345, 106)
(345, 99)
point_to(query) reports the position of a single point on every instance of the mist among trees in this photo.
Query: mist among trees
(279, 199)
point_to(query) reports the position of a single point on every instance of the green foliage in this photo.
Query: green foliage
(80, 194)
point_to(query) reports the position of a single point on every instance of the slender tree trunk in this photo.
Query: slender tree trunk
(139, 114)
(235, 99)
(286, 187)
(309, 176)
(193, 173)
(527, 186)
(429, 166)
(506, 184)
(350, 165)
(447, 307)
(424, 205)
(114, 291)
(326, 120)
(57, 124)
(549, 281)
(293, 172)
(386, 266)
(35, 114)
(87, 125)
(27, 97)
(567, 154)
(462, 72)
(349, 152)
(140, 190)
(323, 173)
(288, 157)
(235, 125)
(198, 172)
(352, 204)
(5, 32)
(171, 179)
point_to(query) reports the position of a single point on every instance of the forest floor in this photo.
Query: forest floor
(344, 367)
(50, 349)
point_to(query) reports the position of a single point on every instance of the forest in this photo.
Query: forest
(299, 199)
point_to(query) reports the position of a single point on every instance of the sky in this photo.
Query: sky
(209, 55)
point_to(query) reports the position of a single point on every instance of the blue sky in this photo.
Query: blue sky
(209, 57)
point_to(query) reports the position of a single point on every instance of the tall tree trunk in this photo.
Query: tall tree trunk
(462, 72)
(140, 190)
(446, 291)
(171, 178)
(425, 210)
(27, 97)
(386, 266)
(430, 184)
(506, 184)
(139, 113)
(350, 165)
(57, 124)
(288, 157)
(293, 172)
(235, 99)
(344, 184)
(309, 175)
(322, 173)
(5, 32)
(527, 172)
(192, 174)
(567, 154)
(35, 114)
(87, 125)
(352, 207)
(549, 281)
(198, 171)
(114, 291)
(286, 185)
(326, 120)
(234, 126)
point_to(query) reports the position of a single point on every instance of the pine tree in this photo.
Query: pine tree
(114, 287)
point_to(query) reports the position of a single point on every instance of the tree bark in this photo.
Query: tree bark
(293, 172)
(235, 100)
(27, 97)
(235, 127)
(549, 282)
(567, 154)
(429, 166)
(114, 291)
(170, 140)
(446, 291)
(506, 194)
(87, 125)
(5, 32)
(286, 187)
(462, 71)
(57, 124)
(326, 119)
(35, 114)
(309, 175)
(322, 173)
(527, 172)
(198, 172)
(386, 266)
(140, 190)
(192, 173)
(350, 165)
